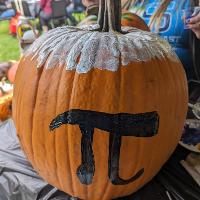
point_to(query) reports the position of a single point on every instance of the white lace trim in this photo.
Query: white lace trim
(83, 48)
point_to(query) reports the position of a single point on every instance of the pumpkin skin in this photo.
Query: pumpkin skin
(6, 93)
(5, 106)
(133, 20)
(137, 88)
(94, 106)
(12, 71)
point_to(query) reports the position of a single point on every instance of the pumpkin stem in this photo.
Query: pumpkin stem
(109, 18)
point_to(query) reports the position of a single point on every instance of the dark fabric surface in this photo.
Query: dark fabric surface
(18, 179)
(172, 179)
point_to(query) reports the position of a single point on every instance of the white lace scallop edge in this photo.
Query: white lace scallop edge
(82, 49)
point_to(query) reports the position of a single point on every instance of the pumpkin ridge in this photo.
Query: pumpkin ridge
(90, 79)
(20, 104)
(176, 83)
(122, 96)
(181, 84)
(140, 143)
(157, 70)
(35, 101)
(67, 127)
(55, 138)
(105, 187)
(104, 194)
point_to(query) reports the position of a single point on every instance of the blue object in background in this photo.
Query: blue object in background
(7, 14)
(171, 28)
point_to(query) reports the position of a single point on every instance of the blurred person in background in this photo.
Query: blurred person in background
(74, 6)
(165, 18)
(45, 14)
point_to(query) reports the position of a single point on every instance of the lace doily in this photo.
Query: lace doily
(82, 49)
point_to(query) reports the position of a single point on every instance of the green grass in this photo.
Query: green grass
(9, 46)
(79, 16)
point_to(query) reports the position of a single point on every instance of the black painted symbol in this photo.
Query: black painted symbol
(118, 125)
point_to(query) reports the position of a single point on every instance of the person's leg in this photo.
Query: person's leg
(44, 20)
(32, 9)
(7, 14)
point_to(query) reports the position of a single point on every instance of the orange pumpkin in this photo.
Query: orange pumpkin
(6, 93)
(1, 92)
(12, 71)
(99, 113)
(128, 19)
(5, 106)
(133, 20)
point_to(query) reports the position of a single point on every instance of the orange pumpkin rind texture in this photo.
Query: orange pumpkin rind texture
(133, 20)
(5, 106)
(72, 69)
(128, 19)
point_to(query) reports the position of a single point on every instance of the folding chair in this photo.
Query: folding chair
(22, 7)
